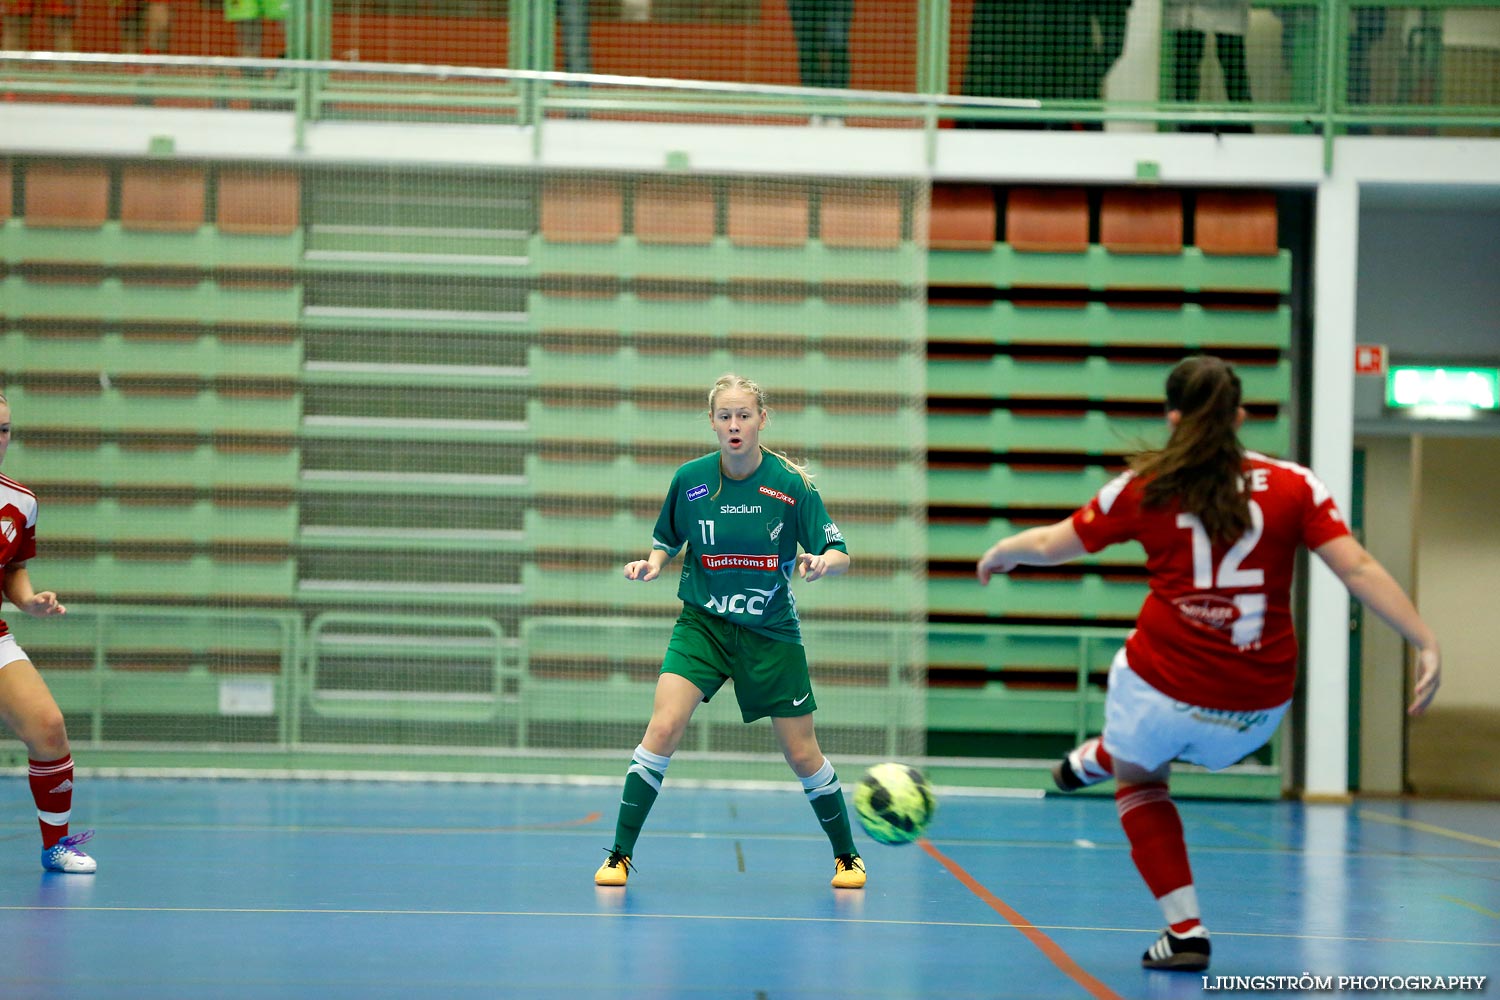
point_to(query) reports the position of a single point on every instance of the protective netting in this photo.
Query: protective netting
(1206, 63)
(1211, 59)
(344, 459)
(1407, 56)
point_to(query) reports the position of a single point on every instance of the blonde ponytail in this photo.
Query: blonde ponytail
(791, 466)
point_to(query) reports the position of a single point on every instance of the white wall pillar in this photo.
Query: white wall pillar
(1335, 268)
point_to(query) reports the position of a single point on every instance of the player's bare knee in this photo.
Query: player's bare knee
(45, 735)
(662, 736)
(804, 760)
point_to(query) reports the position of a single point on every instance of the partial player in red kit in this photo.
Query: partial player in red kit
(26, 706)
(1208, 672)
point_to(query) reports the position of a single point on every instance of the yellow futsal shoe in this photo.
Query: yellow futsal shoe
(615, 870)
(848, 872)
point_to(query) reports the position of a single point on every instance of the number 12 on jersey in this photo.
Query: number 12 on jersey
(1251, 620)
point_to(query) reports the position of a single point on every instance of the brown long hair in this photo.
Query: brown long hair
(1202, 465)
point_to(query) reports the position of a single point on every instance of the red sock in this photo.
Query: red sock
(1102, 756)
(1157, 847)
(52, 788)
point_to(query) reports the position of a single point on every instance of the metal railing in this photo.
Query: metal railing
(231, 688)
(1324, 57)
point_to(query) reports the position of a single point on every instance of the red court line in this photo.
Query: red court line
(1043, 943)
(583, 821)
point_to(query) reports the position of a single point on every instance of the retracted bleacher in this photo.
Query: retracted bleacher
(1054, 315)
(418, 418)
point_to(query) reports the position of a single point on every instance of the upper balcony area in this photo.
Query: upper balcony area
(1429, 68)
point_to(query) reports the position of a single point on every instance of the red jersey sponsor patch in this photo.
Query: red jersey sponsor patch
(1207, 610)
(778, 495)
(732, 560)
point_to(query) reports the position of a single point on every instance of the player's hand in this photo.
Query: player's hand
(811, 567)
(642, 570)
(996, 560)
(1429, 675)
(44, 605)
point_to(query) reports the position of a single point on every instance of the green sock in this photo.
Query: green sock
(642, 784)
(827, 798)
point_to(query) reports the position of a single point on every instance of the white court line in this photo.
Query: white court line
(575, 829)
(490, 778)
(736, 917)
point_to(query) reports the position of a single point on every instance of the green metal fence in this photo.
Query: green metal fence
(1418, 66)
(242, 688)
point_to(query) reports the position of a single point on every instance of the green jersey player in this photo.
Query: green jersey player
(739, 516)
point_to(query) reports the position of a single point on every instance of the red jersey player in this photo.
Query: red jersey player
(1207, 673)
(26, 706)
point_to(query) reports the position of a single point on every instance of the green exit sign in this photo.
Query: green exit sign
(1450, 388)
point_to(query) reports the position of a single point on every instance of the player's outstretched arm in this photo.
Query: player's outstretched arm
(1369, 581)
(38, 604)
(647, 569)
(830, 563)
(1044, 546)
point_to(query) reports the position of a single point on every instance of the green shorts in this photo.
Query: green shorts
(770, 676)
(249, 10)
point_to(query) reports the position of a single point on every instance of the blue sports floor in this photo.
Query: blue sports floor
(301, 889)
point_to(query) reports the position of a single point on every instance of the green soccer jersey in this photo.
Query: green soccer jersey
(742, 538)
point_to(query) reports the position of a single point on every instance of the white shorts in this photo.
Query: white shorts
(10, 650)
(1147, 728)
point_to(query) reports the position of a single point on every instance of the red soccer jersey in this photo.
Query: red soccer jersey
(17, 527)
(1216, 628)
